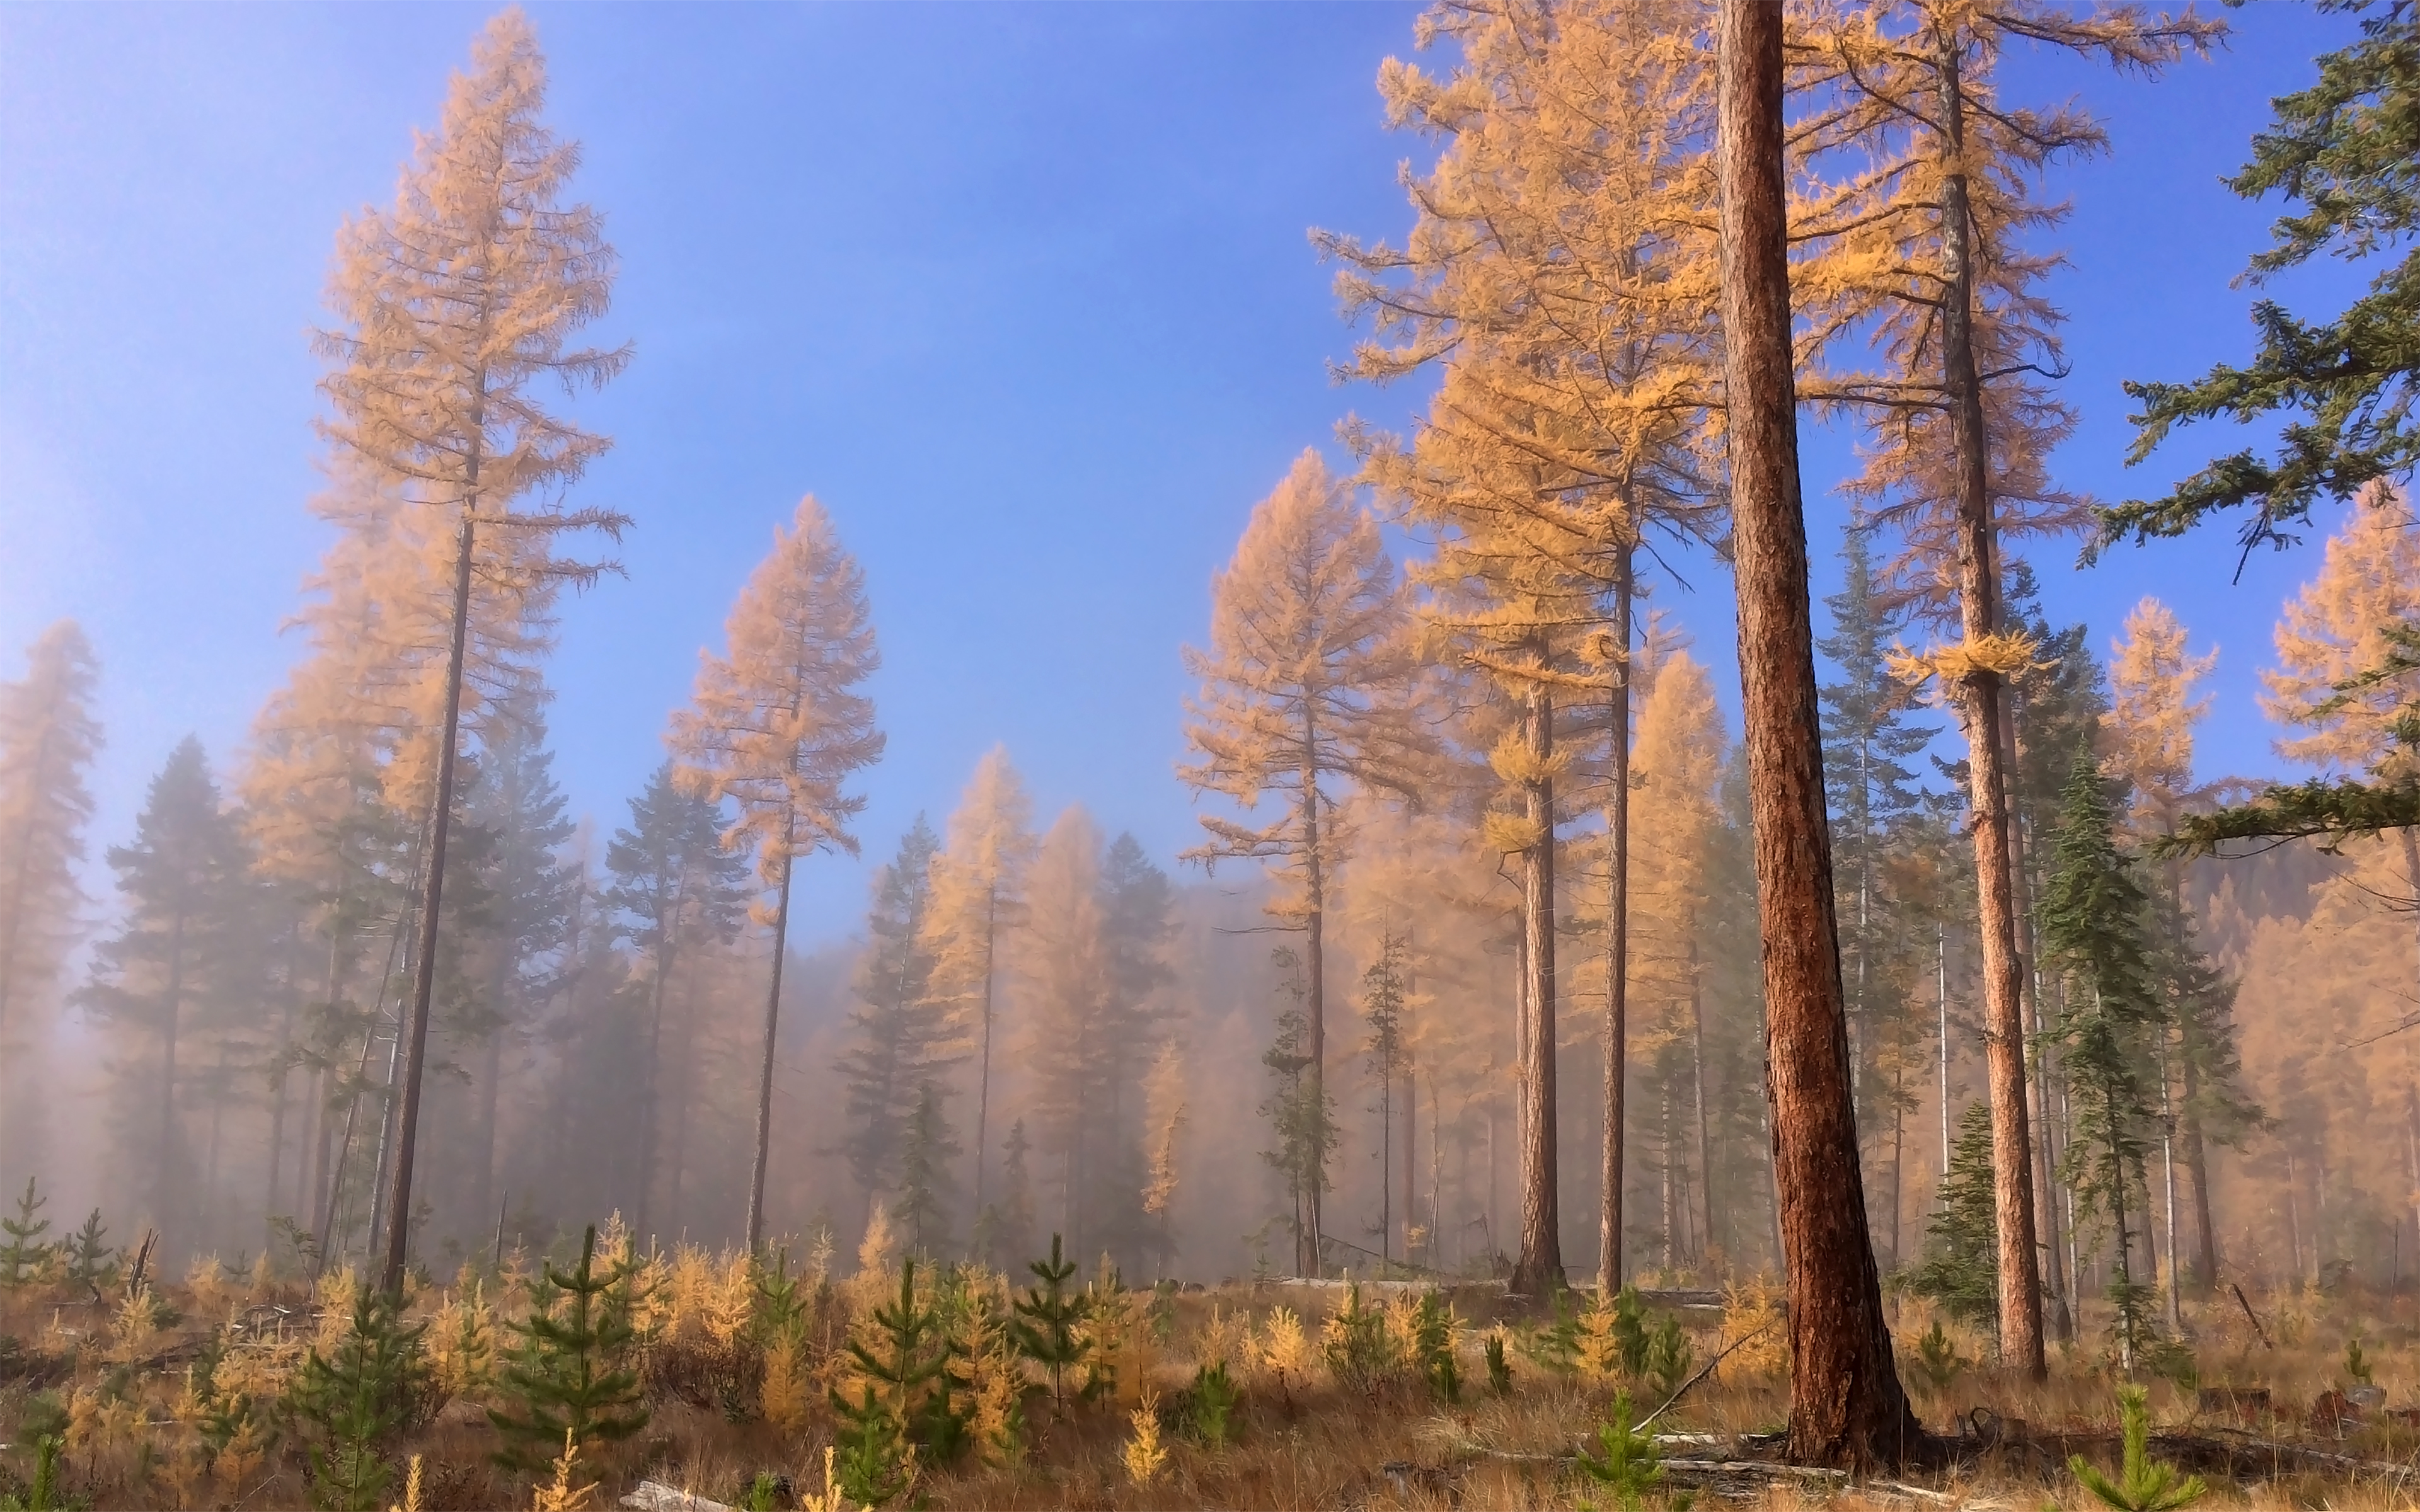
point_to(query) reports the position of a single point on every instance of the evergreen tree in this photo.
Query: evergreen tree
(2094, 913)
(1301, 1114)
(925, 1150)
(899, 1039)
(1302, 693)
(48, 740)
(2343, 149)
(674, 887)
(1381, 1013)
(1005, 1229)
(21, 1257)
(780, 724)
(356, 1401)
(570, 1368)
(455, 304)
(1960, 1266)
(1136, 901)
(1871, 792)
(531, 893)
(183, 958)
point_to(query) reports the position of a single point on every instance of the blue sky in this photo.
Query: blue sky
(1022, 293)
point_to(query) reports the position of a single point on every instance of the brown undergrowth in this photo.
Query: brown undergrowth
(1343, 1396)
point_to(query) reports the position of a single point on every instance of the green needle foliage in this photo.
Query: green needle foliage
(44, 1495)
(1937, 1359)
(1432, 1348)
(350, 1407)
(1668, 1358)
(568, 1370)
(91, 1262)
(23, 1257)
(1960, 1267)
(1214, 1396)
(2144, 1485)
(1500, 1369)
(1048, 1314)
(1627, 1464)
(2345, 149)
(910, 1371)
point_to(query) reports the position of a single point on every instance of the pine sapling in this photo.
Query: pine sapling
(1627, 1464)
(569, 1374)
(23, 1258)
(2144, 1485)
(91, 1262)
(353, 1402)
(1212, 1401)
(1500, 1369)
(1047, 1320)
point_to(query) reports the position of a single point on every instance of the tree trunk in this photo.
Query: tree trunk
(650, 1087)
(983, 1077)
(278, 1082)
(1698, 1072)
(1538, 1272)
(2029, 984)
(164, 1167)
(1617, 937)
(1308, 1259)
(773, 1026)
(1847, 1407)
(424, 980)
(2004, 1025)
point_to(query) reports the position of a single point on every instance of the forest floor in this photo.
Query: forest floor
(197, 1396)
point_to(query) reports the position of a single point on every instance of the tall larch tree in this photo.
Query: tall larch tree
(1559, 269)
(780, 724)
(1938, 172)
(454, 306)
(674, 887)
(1846, 1404)
(1677, 767)
(1063, 978)
(1303, 693)
(978, 893)
(49, 737)
(181, 949)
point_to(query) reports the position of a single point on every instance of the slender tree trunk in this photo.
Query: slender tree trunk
(983, 1077)
(2197, 1162)
(1539, 1269)
(684, 1089)
(650, 1093)
(1698, 1073)
(491, 1071)
(1616, 935)
(423, 983)
(163, 1166)
(772, 1025)
(278, 1082)
(1308, 1259)
(2168, 1181)
(1411, 1146)
(1847, 1407)
(2003, 1034)
(1941, 1001)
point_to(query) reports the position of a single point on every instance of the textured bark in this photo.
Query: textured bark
(1307, 1260)
(2004, 1025)
(1847, 1407)
(1617, 942)
(1538, 1270)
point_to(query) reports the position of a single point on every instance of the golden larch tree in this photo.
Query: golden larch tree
(1063, 968)
(454, 306)
(1304, 690)
(2335, 630)
(1918, 244)
(1561, 268)
(780, 725)
(1677, 767)
(49, 737)
(978, 881)
(2147, 735)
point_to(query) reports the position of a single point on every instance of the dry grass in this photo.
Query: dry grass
(1299, 1439)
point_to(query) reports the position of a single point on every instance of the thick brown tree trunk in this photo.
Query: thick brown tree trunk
(1847, 1407)
(1538, 1271)
(1617, 938)
(2004, 1024)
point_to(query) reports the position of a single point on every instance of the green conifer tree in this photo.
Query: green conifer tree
(1044, 1329)
(23, 1258)
(568, 1370)
(1004, 1231)
(1300, 1113)
(353, 1405)
(1960, 1270)
(899, 1034)
(925, 1186)
(2094, 916)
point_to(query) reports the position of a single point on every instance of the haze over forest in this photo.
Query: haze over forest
(1153, 745)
